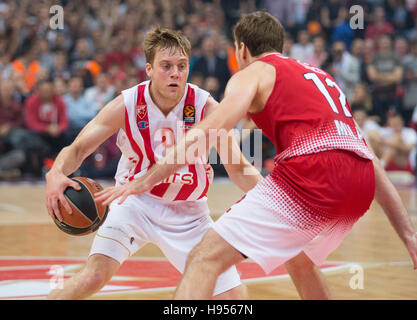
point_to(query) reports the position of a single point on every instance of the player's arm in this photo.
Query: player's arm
(388, 198)
(240, 93)
(100, 128)
(240, 171)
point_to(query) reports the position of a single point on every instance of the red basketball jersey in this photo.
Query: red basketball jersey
(307, 112)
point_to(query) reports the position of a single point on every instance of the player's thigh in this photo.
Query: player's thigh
(216, 251)
(177, 242)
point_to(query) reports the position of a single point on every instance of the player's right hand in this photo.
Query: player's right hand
(56, 183)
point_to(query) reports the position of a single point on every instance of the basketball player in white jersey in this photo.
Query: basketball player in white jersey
(174, 214)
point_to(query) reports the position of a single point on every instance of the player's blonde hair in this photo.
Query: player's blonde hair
(260, 32)
(161, 38)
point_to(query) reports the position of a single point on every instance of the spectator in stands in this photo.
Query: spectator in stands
(303, 50)
(80, 56)
(385, 73)
(362, 98)
(11, 122)
(138, 56)
(79, 109)
(287, 45)
(400, 17)
(21, 151)
(46, 114)
(320, 54)
(410, 82)
(211, 64)
(107, 36)
(401, 47)
(118, 54)
(369, 128)
(283, 10)
(120, 83)
(342, 30)
(60, 86)
(197, 79)
(379, 26)
(102, 163)
(369, 50)
(28, 65)
(395, 145)
(318, 12)
(352, 67)
(46, 56)
(60, 67)
(344, 67)
(101, 93)
(211, 84)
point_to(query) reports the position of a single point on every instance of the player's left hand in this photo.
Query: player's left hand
(109, 194)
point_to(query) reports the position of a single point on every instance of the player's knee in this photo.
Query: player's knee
(301, 265)
(94, 279)
(237, 293)
(203, 259)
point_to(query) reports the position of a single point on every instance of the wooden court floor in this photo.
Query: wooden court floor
(371, 263)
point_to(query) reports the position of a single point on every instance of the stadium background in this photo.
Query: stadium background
(52, 82)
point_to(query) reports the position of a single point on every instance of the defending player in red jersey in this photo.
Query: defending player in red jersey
(325, 176)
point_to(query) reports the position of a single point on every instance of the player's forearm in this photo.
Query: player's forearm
(246, 181)
(67, 161)
(389, 199)
(244, 175)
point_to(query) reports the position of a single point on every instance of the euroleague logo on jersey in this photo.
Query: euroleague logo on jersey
(189, 115)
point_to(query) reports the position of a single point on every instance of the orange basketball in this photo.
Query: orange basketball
(87, 215)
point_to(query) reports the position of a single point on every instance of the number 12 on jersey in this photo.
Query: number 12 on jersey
(330, 83)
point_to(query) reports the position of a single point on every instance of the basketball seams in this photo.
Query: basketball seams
(78, 209)
(86, 218)
(92, 197)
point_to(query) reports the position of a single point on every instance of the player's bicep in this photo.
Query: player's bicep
(239, 94)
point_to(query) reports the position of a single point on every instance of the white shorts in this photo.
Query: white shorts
(129, 227)
(269, 227)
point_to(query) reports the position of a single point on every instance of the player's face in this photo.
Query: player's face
(169, 73)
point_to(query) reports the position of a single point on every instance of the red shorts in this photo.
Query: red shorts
(308, 203)
(337, 182)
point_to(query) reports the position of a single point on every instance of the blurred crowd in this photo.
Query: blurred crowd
(53, 81)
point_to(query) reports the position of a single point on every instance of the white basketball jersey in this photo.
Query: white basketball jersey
(149, 133)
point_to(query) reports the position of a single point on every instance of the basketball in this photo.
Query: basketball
(87, 215)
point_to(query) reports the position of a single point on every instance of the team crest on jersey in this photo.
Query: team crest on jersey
(141, 111)
(189, 115)
(143, 125)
